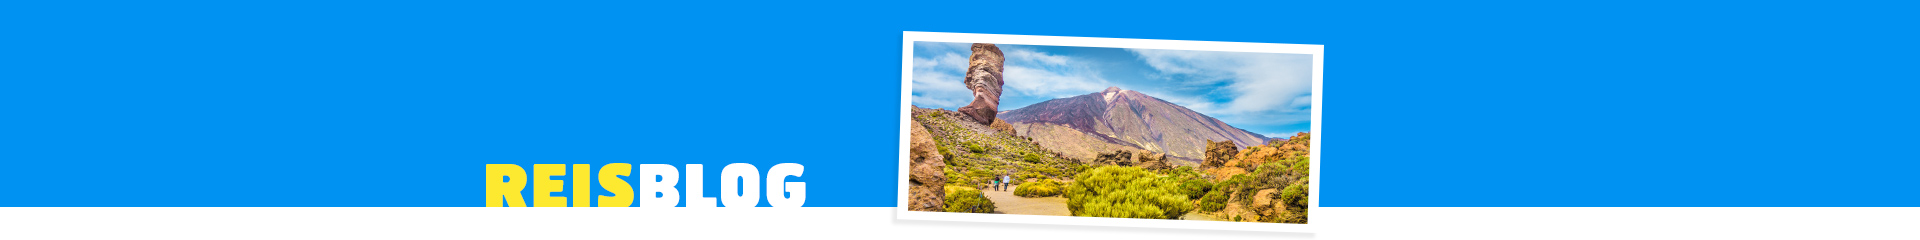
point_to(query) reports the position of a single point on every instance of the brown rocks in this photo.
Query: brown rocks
(1002, 126)
(1257, 155)
(983, 77)
(1299, 142)
(1278, 188)
(1276, 150)
(1143, 159)
(1218, 153)
(1224, 173)
(1235, 211)
(1152, 161)
(926, 181)
(1117, 158)
(1263, 201)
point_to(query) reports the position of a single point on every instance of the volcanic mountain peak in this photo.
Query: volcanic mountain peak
(1110, 92)
(1126, 118)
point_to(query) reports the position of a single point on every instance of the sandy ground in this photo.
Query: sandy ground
(1197, 216)
(1006, 202)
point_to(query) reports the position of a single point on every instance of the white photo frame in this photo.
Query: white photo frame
(906, 100)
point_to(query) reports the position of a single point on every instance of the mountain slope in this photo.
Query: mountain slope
(974, 153)
(1117, 118)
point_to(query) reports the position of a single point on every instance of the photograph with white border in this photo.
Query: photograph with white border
(1109, 132)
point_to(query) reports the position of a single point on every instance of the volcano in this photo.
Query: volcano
(1116, 119)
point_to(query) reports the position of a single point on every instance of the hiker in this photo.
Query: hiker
(995, 184)
(1003, 184)
(1004, 180)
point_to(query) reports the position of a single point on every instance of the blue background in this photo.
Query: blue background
(1523, 103)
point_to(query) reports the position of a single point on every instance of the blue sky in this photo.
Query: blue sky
(1266, 93)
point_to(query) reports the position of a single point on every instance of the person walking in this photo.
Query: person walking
(1005, 182)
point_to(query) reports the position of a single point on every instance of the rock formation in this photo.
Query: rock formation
(1263, 201)
(1117, 158)
(926, 181)
(1152, 160)
(1143, 159)
(1276, 150)
(1279, 176)
(1219, 152)
(983, 77)
(1003, 127)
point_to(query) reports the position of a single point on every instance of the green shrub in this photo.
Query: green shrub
(1194, 188)
(953, 178)
(976, 148)
(1023, 176)
(1048, 171)
(1183, 172)
(1302, 165)
(1125, 192)
(1239, 185)
(967, 200)
(1214, 201)
(1276, 174)
(1292, 216)
(970, 178)
(946, 152)
(979, 177)
(1046, 187)
(1032, 158)
(1295, 195)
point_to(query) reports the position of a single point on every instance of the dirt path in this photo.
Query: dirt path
(1006, 202)
(1196, 215)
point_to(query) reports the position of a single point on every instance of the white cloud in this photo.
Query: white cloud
(1301, 102)
(1263, 87)
(1049, 83)
(937, 81)
(938, 74)
(1038, 74)
(1031, 56)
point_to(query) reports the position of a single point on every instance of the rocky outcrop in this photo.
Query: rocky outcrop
(926, 181)
(1224, 173)
(1117, 158)
(1299, 142)
(1218, 153)
(1003, 127)
(1277, 179)
(1263, 201)
(1257, 155)
(1152, 161)
(1143, 159)
(983, 77)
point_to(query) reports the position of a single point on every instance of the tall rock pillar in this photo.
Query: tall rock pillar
(983, 77)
